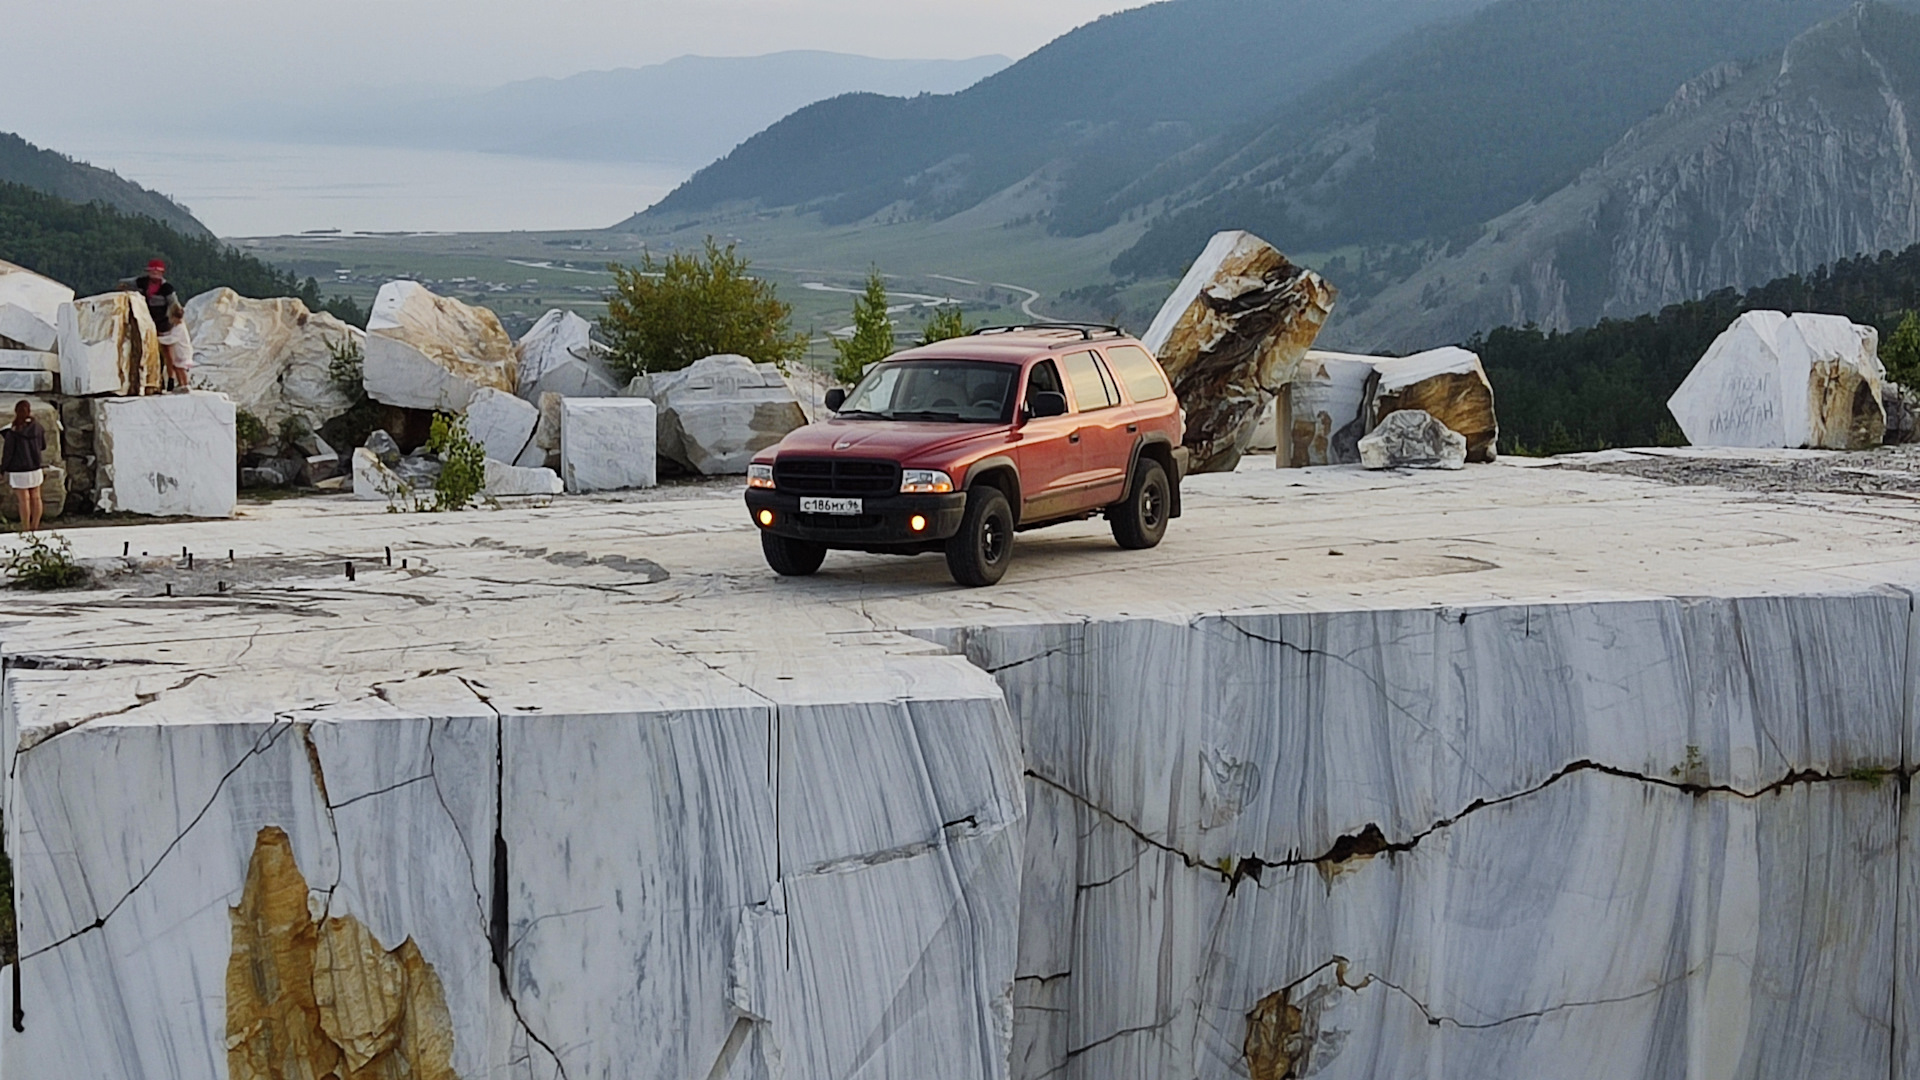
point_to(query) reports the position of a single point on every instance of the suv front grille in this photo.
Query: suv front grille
(835, 476)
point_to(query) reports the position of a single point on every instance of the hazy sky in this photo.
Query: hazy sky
(110, 54)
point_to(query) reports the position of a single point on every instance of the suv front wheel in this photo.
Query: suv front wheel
(979, 553)
(791, 558)
(1141, 519)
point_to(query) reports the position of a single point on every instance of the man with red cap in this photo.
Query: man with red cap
(163, 303)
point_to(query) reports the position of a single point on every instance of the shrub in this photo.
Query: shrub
(249, 429)
(463, 463)
(665, 314)
(872, 339)
(1902, 351)
(948, 321)
(40, 563)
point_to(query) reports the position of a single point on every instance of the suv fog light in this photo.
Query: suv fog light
(766, 517)
(925, 482)
(759, 476)
(917, 523)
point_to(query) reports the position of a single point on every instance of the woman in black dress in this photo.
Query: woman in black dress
(20, 458)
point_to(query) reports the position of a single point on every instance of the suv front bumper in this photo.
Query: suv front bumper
(883, 520)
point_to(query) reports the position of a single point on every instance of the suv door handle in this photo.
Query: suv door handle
(1075, 437)
(1133, 429)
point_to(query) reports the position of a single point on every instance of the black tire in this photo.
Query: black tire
(790, 557)
(1140, 520)
(979, 553)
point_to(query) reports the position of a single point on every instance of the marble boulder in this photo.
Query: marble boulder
(167, 455)
(1231, 335)
(608, 444)
(559, 356)
(1413, 439)
(1773, 380)
(432, 352)
(716, 413)
(272, 357)
(30, 308)
(504, 425)
(1449, 384)
(375, 480)
(1318, 416)
(108, 345)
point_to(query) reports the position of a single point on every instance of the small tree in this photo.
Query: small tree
(463, 463)
(872, 339)
(1901, 353)
(665, 314)
(948, 321)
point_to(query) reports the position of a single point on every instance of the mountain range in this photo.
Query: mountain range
(1452, 164)
(686, 111)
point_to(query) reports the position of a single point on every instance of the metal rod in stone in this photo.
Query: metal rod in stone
(125, 546)
(403, 564)
(229, 556)
(169, 588)
(389, 556)
(189, 560)
(349, 571)
(183, 551)
(222, 585)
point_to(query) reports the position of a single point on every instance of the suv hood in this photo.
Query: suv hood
(894, 440)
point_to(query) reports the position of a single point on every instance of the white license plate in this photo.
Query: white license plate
(844, 507)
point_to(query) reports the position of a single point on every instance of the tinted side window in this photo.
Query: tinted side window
(1139, 371)
(1044, 376)
(1089, 387)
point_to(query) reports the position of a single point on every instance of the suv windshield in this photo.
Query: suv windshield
(953, 391)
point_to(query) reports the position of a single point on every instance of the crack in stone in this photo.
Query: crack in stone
(495, 914)
(142, 700)
(267, 740)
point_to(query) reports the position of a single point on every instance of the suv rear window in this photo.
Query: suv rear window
(1139, 371)
(1090, 388)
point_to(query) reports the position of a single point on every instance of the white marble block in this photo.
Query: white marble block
(108, 345)
(502, 423)
(1314, 418)
(30, 307)
(433, 352)
(559, 356)
(26, 381)
(1777, 381)
(607, 444)
(166, 455)
(29, 360)
(505, 480)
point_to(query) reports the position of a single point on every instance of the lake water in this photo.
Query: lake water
(268, 189)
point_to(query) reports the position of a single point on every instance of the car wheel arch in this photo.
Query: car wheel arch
(1001, 473)
(1160, 449)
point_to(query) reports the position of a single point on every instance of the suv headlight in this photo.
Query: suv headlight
(925, 482)
(759, 476)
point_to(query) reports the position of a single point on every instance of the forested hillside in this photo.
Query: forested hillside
(1447, 129)
(92, 248)
(23, 163)
(1608, 384)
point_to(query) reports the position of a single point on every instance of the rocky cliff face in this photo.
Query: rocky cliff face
(1752, 172)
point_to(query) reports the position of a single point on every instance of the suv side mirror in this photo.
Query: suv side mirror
(836, 397)
(1046, 403)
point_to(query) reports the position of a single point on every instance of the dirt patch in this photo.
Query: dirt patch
(1889, 470)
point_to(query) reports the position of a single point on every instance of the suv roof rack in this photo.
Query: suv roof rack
(1086, 329)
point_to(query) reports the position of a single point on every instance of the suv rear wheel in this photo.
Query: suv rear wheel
(979, 553)
(1140, 520)
(790, 557)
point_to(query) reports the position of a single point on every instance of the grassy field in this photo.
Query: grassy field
(1001, 268)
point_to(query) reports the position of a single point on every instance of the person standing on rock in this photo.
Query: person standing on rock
(169, 318)
(21, 449)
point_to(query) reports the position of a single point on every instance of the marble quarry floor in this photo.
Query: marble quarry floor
(1525, 770)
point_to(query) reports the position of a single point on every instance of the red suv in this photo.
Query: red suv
(955, 446)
